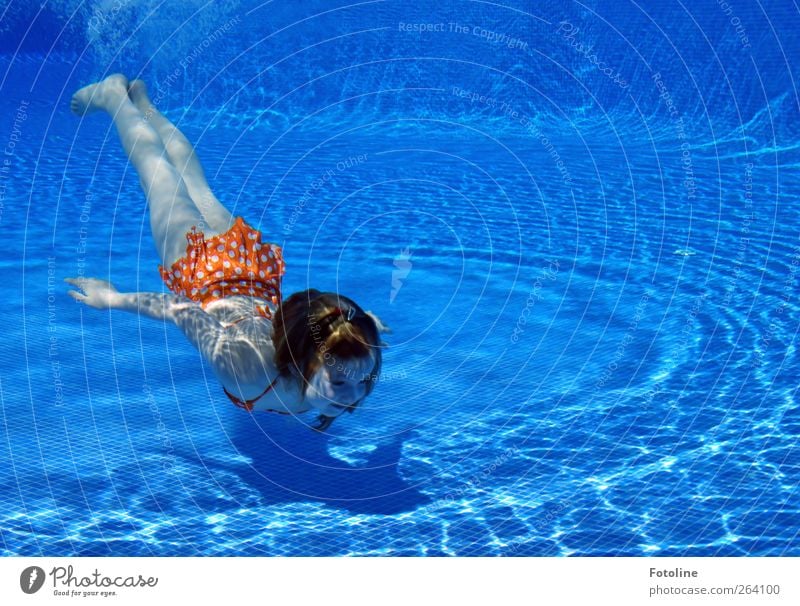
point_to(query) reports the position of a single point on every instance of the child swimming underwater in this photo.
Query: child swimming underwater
(314, 351)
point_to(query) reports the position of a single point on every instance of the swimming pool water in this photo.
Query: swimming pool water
(593, 300)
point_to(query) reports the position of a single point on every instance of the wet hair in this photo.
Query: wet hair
(311, 327)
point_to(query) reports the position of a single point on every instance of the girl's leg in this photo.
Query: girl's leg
(182, 156)
(172, 210)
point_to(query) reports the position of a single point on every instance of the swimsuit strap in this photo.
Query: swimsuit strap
(248, 404)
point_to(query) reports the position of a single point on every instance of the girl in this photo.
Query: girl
(313, 351)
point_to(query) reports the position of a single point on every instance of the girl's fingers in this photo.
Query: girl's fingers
(76, 295)
(75, 282)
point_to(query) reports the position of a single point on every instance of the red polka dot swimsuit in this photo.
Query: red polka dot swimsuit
(235, 263)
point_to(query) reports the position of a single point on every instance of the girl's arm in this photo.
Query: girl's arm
(101, 294)
(202, 329)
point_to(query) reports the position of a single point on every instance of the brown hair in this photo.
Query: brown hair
(311, 326)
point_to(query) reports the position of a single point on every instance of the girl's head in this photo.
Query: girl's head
(332, 346)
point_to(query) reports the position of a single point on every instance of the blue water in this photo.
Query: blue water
(591, 279)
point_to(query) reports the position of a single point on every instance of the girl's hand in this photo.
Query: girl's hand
(96, 293)
(378, 324)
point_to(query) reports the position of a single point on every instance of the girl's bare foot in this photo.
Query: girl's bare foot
(137, 91)
(103, 95)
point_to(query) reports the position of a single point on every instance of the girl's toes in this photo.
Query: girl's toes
(86, 100)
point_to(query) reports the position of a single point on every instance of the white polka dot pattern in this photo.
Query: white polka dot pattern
(221, 278)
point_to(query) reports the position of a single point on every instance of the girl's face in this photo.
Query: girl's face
(338, 384)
